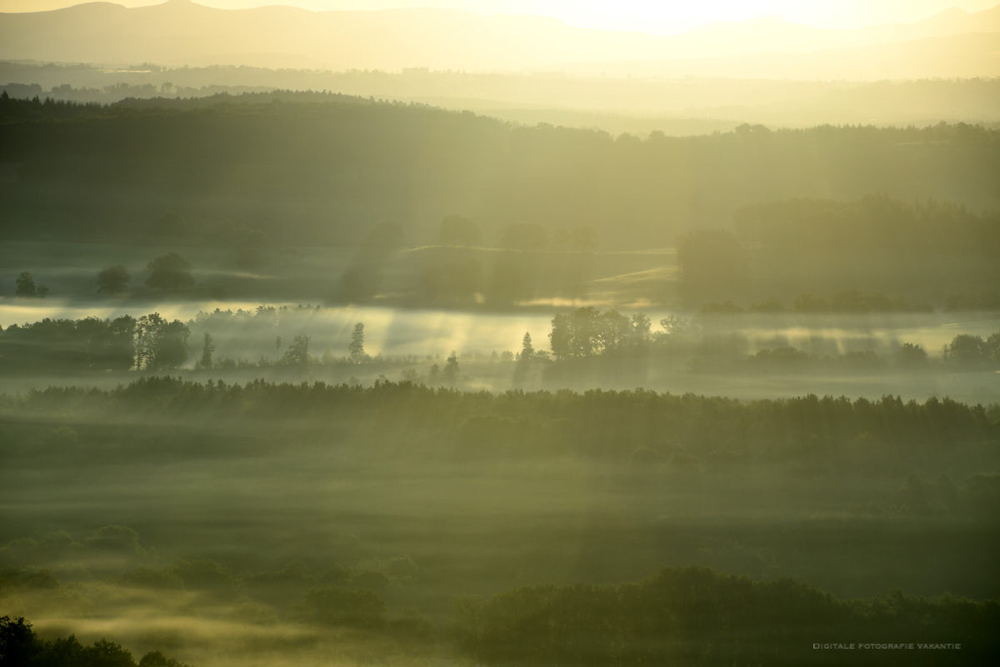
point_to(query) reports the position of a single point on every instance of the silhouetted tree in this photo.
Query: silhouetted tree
(527, 349)
(207, 349)
(297, 353)
(113, 280)
(966, 349)
(451, 369)
(160, 345)
(910, 356)
(25, 287)
(169, 272)
(357, 347)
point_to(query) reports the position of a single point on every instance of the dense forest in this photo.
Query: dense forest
(600, 423)
(324, 168)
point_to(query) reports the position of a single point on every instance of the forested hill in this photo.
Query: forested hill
(325, 168)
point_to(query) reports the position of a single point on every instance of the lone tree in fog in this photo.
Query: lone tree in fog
(208, 348)
(25, 287)
(297, 353)
(527, 349)
(169, 272)
(451, 368)
(113, 280)
(357, 346)
(524, 359)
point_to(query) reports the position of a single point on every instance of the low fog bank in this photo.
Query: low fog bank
(744, 355)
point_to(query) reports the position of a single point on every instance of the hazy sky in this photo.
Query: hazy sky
(652, 16)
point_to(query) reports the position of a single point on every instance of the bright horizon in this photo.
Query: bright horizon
(620, 15)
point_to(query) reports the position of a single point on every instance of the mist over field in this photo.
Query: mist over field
(499, 334)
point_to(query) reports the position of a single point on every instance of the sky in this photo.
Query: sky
(665, 16)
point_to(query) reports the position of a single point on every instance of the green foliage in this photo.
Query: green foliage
(207, 350)
(297, 354)
(587, 332)
(160, 345)
(368, 162)
(169, 272)
(696, 616)
(21, 647)
(593, 424)
(25, 288)
(69, 345)
(356, 349)
(113, 280)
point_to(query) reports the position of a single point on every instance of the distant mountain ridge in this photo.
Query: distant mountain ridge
(181, 32)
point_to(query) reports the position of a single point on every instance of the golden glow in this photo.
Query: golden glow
(669, 16)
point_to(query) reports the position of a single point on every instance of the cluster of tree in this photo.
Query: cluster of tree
(21, 647)
(169, 272)
(972, 351)
(964, 352)
(25, 287)
(149, 343)
(976, 301)
(330, 167)
(696, 616)
(586, 332)
(870, 227)
(117, 92)
(931, 249)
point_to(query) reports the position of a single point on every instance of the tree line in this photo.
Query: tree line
(362, 162)
(696, 616)
(595, 421)
(942, 253)
(20, 646)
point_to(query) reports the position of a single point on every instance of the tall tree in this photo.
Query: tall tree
(297, 353)
(357, 346)
(527, 349)
(451, 369)
(208, 348)
(26, 288)
(113, 280)
(160, 345)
